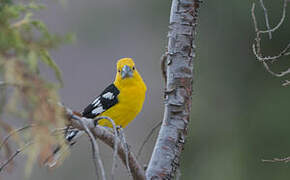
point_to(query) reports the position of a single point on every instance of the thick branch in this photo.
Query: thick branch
(181, 53)
(108, 138)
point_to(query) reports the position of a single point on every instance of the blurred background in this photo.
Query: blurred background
(240, 112)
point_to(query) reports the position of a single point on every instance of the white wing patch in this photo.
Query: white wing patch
(108, 95)
(98, 110)
(96, 101)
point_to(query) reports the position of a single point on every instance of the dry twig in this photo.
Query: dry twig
(126, 147)
(95, 148)
(257, 45)
(266, 18)
(11, 158)
(286, 160)
(286, 83)
(6, 138)
(147, 138)
(115, 142)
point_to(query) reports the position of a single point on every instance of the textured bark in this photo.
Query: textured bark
(179, 71)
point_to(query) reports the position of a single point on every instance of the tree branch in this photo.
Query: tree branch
(257, 44)
(95, 151)
(115, 142)
(108, 138)
(266, 18)
(147, 138)
(12, 133)
(181, 53)
(286, 160)
(11, 158)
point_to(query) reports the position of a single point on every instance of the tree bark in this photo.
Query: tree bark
(178, 94)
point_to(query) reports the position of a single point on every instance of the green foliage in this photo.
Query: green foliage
(24, 42)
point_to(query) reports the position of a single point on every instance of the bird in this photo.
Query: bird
(121, 101)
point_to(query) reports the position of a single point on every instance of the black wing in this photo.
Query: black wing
(107, 99)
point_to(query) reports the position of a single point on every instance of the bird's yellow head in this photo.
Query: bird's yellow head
(126, 68)
(127, 72)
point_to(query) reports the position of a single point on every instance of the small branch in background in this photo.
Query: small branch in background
(266, 59)
(286, 160)
(148, 137)
(59, 130)
(57, 157)
(19, 130)
(284, 52)
(16, 131)
(283, 73)
(281, 20)
(14, 155)
(286, 83)
(257, 44)
(266, 18)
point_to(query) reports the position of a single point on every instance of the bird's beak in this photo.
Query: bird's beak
(126, 72)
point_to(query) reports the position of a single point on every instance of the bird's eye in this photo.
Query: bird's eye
(119, 70)
(133, 67)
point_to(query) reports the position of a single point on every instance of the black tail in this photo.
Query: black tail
(70, 135)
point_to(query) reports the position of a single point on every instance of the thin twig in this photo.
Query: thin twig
(281, 20)
(6, 138)
(283, 73)
(52, 160)
(284, 52)
(18, 130)
(257, 45)
(286, 83)
(126, 147)
(266, 18)
(108, 138)
(257, 39)
(115, 153)
(147, 138)
(11, 158)
(263, 60)
(58, 130)
(286, 160)
(95, 150)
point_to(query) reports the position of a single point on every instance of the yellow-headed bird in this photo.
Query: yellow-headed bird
(121, 101)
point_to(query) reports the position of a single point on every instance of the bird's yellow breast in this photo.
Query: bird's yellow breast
(130, 102)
